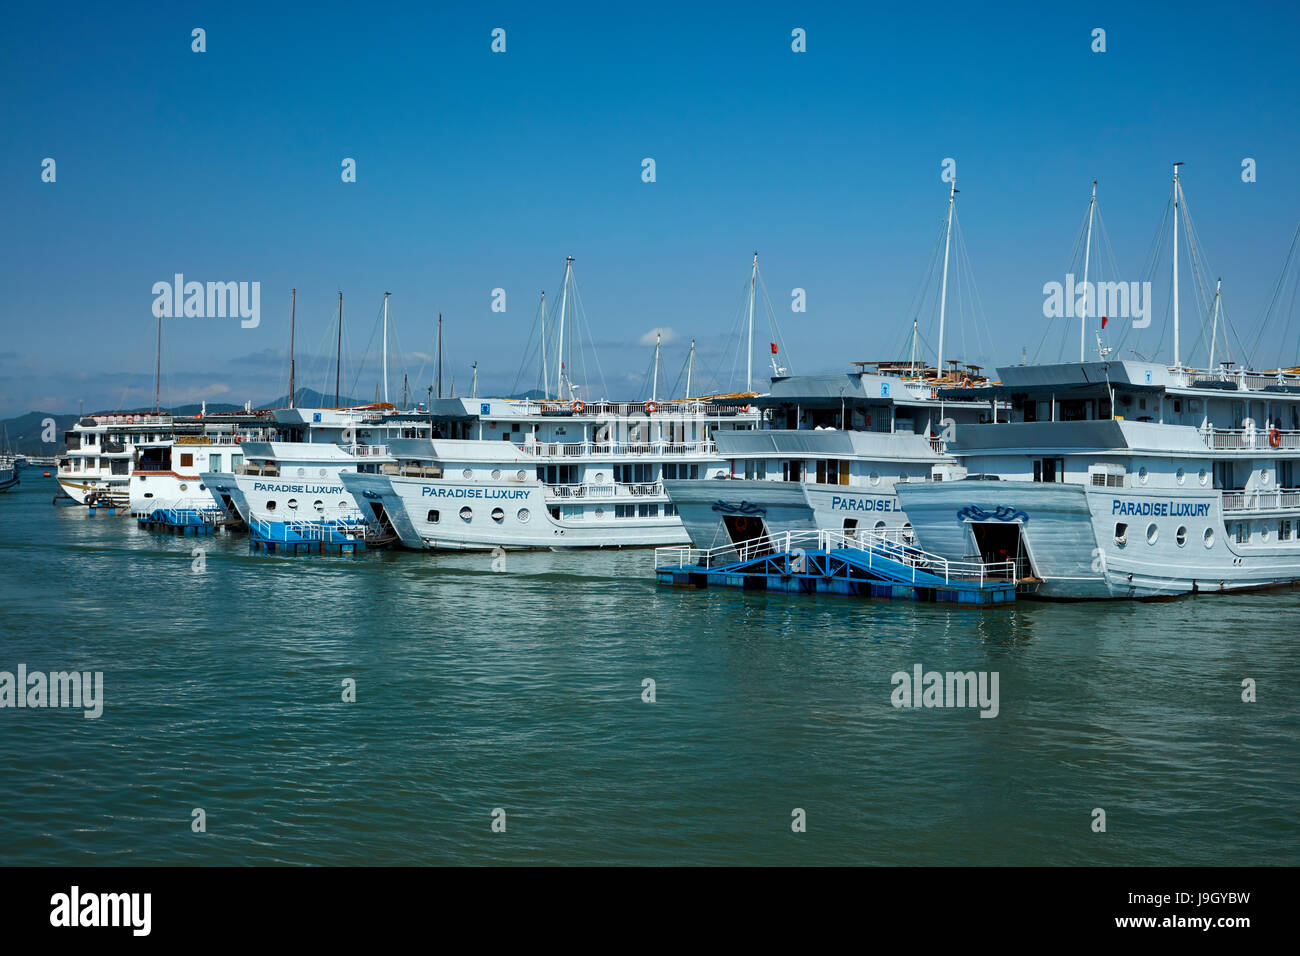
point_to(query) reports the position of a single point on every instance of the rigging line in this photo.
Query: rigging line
(361, 366)
(1150, 264)
(1278, 288)
(926, 287)
(533, 332)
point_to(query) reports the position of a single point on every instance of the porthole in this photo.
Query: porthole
(907, 533)
(1180, 476)
(496, 474)
(880, 526)
(302, 472)
(1203, 477)
(203, 487)
(1181, 536)
(184, 486)
(600, 477)
(467, 473)
(498, 515)
(270, 506)
(1153, 532)
(343, 506)
(1263, 477)
(322, 472)
(523, 515)
(1121, 534)
(433, 517)
(1209, 537)
(466, 513)
(600, 512)
(875, 477)
(1142, 474)
(292, 503)
(520, 474)
(318, 505)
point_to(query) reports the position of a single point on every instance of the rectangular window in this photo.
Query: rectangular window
(670, 511)
(1284, 530)
(647, 511)
(1243, 532)
(1285, 474)
(187, 460)
(821, 471)
(214, 463)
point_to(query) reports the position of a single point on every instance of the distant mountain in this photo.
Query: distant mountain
(25, 431)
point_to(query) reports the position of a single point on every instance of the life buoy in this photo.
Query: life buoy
(1275, 438)
(578, 407)
(967, 383)
(651, 408)
(238, 439)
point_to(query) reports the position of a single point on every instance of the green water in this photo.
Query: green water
(522, 690)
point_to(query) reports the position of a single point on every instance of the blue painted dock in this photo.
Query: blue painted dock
(865, 564)
(181, 521)
(308, 537)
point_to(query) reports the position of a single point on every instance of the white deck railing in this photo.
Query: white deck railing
(1251, 439)
(890, 544)
(635, 490)
(1276, 499)
(616, 449)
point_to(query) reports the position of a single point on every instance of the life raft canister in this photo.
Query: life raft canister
(1275, 438)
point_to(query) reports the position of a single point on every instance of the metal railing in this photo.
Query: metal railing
(1251, 439)
(892, 545)
(1275, 499)
(605, 491)
(616, 449)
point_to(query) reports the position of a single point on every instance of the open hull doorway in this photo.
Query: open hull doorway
(745, 529)
(1001, 541)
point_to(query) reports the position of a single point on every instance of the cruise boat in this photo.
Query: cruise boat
(289, 487)
(1127, 479)
(534, 474)
(96, 467)
(830, 448)
(8, 474)
(829, 452)
(167, 474)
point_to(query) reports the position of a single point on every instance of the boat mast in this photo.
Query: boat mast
(474, 392)
(338, 356)
(1177, 196)
(293, 315)
(546, 375)
(1087, 249)
(1214, 328)
(385, 346)
(943, 292)
(440, 355)
(749, 361)
(690, 368)
(157, 372)
(654, 388)
(564, 305)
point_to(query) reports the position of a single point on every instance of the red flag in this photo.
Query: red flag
(773, 348)
(1103, 321)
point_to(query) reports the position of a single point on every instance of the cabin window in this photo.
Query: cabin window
(1181, 536)
(1209, 537)
(270, 506)
(1153, 532)
(555, 512)
(1285, 474)
(1284, 530)
(466, 513)
(433, 517)
(292, 503)
(523, 515)
(1243, 533)
(1121, 534)
(187, 460)
(498, 515)
(647, 511)
(1049, 469)
(670, 511)
(625, 511)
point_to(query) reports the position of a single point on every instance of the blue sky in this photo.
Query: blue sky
(478, 170)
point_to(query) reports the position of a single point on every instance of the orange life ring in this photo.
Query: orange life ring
(578, 407)
(651, 408)
(967, 383)
(1275, 438)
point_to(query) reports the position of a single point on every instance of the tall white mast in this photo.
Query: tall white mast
(654, 388)
(1214, 328)
(1087, 249)
(690, 368)
(385, 346)
(546, 375)
(564, 304)
(474, 393)
(749, 361)
(943, 293)
(1177, 196)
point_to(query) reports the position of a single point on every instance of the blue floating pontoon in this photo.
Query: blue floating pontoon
(878, 564)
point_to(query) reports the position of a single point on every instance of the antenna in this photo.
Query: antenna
(749, 360)
(1214, 329)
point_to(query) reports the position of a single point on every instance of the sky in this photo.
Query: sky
(479, 170)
